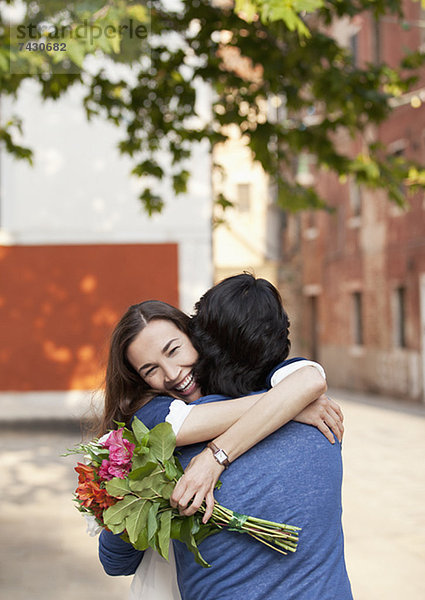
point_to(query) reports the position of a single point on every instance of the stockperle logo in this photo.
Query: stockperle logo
(47, 37)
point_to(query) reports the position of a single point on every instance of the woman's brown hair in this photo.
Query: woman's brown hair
(125, 390)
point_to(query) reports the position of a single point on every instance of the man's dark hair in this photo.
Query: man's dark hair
(240, 330)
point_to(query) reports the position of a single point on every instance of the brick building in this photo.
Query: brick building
(354, 279)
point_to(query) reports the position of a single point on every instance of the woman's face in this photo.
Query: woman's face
(164, 357)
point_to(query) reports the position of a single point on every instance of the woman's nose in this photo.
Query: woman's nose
(171, 372)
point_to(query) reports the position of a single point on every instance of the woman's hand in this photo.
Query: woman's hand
(326, 415)
(197, 483)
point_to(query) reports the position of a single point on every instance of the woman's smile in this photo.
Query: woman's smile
(187, 386)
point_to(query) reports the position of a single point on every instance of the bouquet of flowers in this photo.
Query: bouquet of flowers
(126, 482)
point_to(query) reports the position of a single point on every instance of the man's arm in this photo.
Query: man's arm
(117, 556)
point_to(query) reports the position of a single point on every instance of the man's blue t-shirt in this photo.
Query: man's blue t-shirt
(293, 476)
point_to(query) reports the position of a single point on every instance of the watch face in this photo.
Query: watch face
(221, 456)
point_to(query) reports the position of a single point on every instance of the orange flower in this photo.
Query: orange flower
(90, 493)
(85, 473)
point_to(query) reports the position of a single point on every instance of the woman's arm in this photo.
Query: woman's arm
(292, 398)
(236, 433)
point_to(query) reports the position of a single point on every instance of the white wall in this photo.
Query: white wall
(80, 190)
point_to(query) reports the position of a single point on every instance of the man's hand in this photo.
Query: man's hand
(326, 415)
(197, 484)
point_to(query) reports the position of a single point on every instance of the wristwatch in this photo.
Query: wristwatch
(219, 454)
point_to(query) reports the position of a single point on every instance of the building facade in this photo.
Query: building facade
(354, 279)
(76, 247)
(247, 235)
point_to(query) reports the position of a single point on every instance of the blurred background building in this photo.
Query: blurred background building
(353, 279)
(77, 248)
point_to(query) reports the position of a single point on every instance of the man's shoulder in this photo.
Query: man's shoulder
(154, 411)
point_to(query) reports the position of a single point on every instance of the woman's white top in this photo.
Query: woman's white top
(155, 578)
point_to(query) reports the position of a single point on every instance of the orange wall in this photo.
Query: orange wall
(58, 306)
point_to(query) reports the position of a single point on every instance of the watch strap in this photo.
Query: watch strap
(219, 454)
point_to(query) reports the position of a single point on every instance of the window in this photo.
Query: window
(354, 46)
(244, 197)
(400, 317)
(376, 42)
(357, 319)
(303, 165)
(355, 199)
(311, 218)
(398, 151)
(314, 325)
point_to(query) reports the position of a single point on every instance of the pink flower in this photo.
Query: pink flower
(120, 450)
(108, 470)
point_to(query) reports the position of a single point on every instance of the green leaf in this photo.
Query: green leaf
(129, 436)
(138, 12)
(188, 538)
(153, 484)
(167, 490)
(139, 429)
(178, 464)
(164, 533)
(176, 525)
(162, 441)
(74, 50)
(152, 522)
(116, 529)
(137, 520)
(151, 202)
(180, 181)
(171, 471)
(142, 542)
(115, 515)
(143, 471)
(205, 531)
(117, 487)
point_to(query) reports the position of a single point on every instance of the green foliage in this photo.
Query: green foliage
(162, 442)
(140, 431)
(287, 11)
(296, 63)
(164, 533)
(143, 514)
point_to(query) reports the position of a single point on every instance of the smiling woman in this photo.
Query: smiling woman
(164, 357)
(138, 367)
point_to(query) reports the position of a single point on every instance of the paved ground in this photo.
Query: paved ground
(45, 553)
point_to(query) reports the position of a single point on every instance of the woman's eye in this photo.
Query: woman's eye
(173, 350)
(150, 372)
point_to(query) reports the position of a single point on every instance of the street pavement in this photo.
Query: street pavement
(46, 554)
